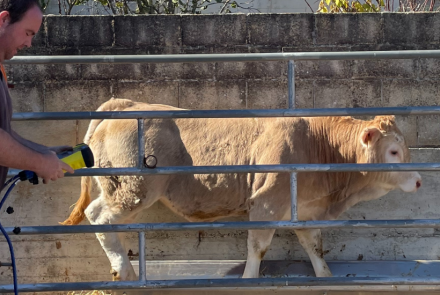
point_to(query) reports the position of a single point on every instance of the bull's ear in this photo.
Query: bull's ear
(390, 118)
(370, 136)
(385, 122)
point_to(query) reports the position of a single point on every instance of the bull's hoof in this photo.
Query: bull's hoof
(115, 274)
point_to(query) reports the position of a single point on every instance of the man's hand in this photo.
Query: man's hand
(52, 168)
(60, 148)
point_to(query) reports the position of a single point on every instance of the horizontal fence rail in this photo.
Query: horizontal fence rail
(279, 168)
(404, 111)
(239, 225)
(218, 283)
(234, 57)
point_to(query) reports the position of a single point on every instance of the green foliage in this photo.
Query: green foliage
(118, 7)
(337, 6)
(344, 6)
(43, 4)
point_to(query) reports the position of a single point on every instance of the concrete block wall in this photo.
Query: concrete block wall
(223, 86)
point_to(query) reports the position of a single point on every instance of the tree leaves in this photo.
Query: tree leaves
(341, 6)
(121, 7)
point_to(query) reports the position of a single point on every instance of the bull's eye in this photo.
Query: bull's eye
(393, 153)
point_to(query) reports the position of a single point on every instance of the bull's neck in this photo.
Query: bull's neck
(342, 136)
(337, 140)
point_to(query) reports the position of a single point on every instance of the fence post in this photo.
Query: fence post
(141, 144)
(293, 176)
(142, 267)
(291, 83)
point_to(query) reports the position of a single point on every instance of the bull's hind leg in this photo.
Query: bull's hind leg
(311, 241)
(121, 198)
(99, 212)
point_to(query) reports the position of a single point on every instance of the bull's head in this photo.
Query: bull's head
(383, 142)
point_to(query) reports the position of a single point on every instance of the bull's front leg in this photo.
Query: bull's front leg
(258, 244)
(311, 241)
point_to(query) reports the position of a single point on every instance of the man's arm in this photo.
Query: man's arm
(32, 145)
(15, 155)
(38, 147)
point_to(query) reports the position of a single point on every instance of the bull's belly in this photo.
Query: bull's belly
(197, 213)
(207, 197)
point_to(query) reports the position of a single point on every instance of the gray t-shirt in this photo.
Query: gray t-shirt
(5, 119)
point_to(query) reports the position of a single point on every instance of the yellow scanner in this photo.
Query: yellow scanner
(81, 156)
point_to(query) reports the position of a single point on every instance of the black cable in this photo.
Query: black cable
(14, 181)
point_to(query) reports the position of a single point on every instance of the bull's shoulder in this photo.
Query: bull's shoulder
(342, 120)
(286, 126)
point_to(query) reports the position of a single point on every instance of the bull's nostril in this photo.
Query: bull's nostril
(418, 184)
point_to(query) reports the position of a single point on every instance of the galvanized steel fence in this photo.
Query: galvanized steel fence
(335, 283)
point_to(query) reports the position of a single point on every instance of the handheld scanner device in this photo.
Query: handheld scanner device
(79, 157)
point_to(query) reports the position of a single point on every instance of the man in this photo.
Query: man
(19, 22)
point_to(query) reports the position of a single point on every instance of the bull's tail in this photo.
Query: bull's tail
(83, 202)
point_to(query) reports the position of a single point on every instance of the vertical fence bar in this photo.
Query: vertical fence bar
(291, 83)
(293, 198)
(142, 266)
(141, 157)
(141, 143)
(293, 175)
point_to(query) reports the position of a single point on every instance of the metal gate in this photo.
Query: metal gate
(296, 283)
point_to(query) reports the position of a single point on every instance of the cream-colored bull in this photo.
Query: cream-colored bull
(262, 196)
